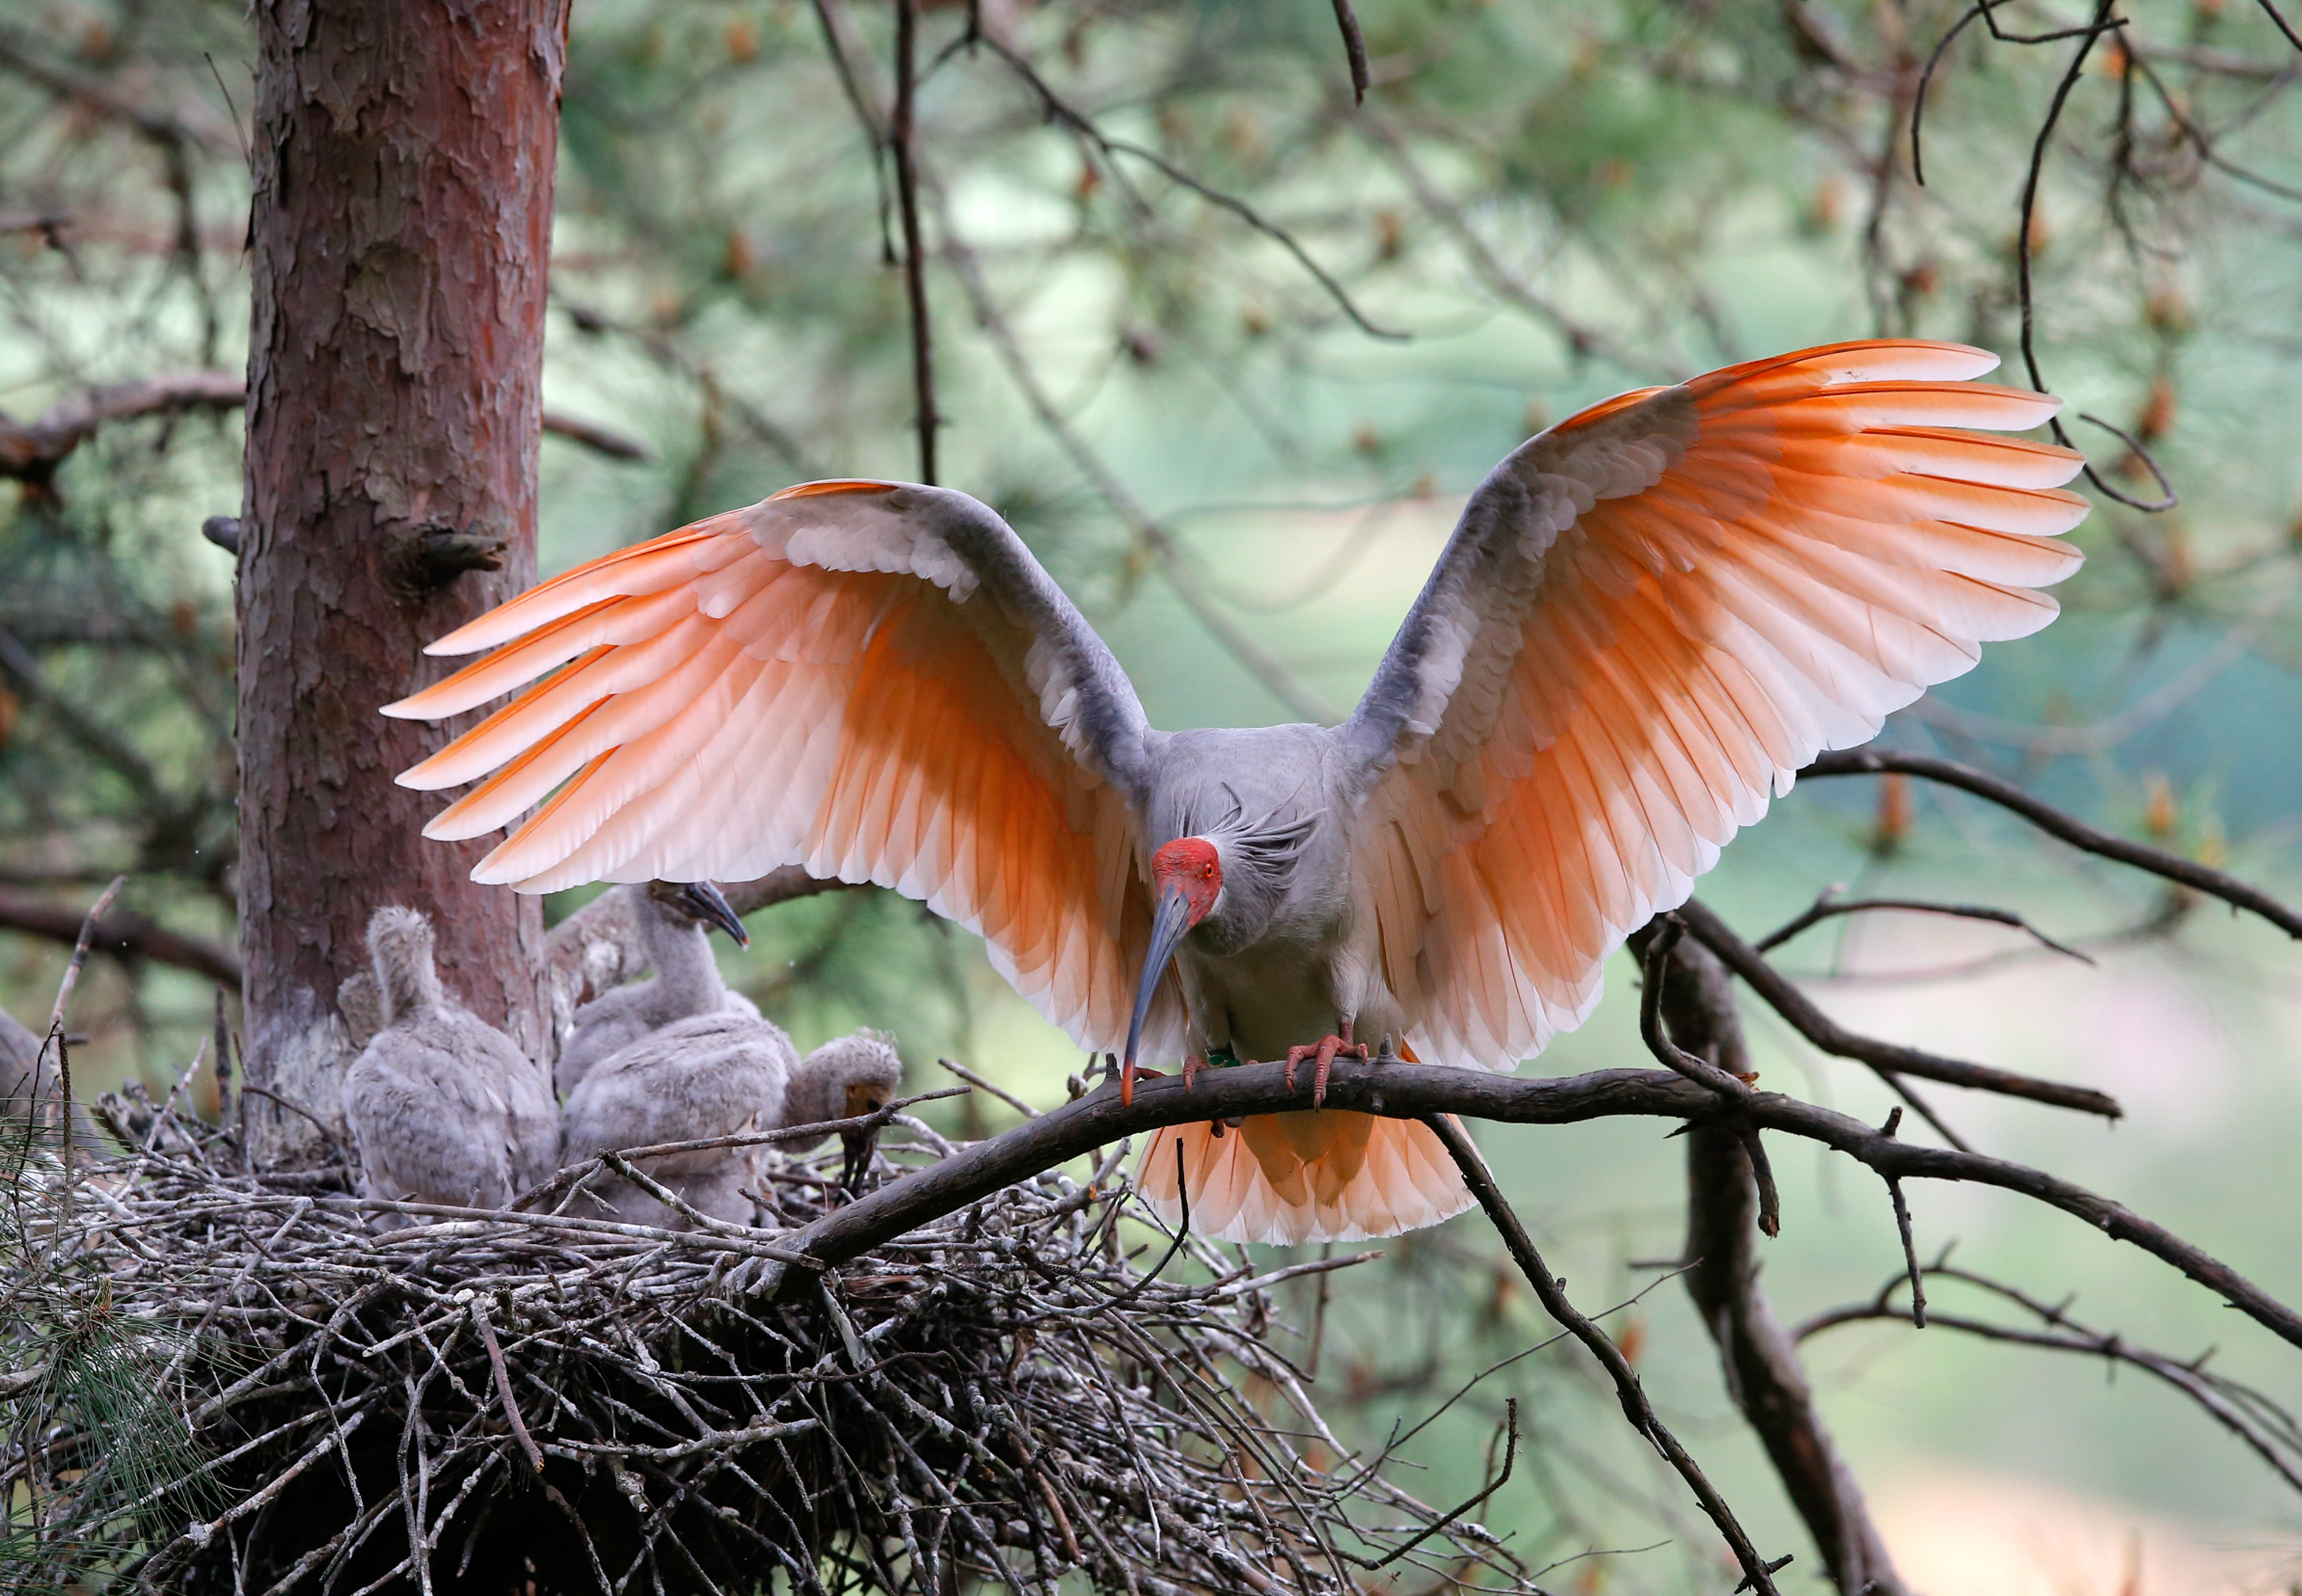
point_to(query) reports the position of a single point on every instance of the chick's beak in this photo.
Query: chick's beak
(709, 904)
(858, 1145)
(1168, 923)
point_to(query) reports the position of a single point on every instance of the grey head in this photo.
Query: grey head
(1260, 799)
(846, 1078)
(699, 904)
(675, 919)
(400, 946)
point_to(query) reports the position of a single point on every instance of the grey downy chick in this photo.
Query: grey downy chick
(710, 1075)
(442, 1106)
(845, 1079)
(674, 919)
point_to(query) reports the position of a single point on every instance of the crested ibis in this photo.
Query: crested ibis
(1648, 619)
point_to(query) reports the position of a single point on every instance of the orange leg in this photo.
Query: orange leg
(1323, 1053)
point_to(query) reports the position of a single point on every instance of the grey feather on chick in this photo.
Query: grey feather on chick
(676, 937)
(709, 1075)
(443, 1107)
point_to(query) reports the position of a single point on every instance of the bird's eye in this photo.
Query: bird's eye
(1207, 871)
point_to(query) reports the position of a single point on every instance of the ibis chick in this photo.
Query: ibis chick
(674, 919)
(695, 1080)
(845, 1079)
(442, 1106)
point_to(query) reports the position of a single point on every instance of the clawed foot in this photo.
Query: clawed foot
(1323, 1053)
(1192, 1064)
(1128, 1076)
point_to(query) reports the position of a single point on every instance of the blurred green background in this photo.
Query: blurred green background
(1553, 202)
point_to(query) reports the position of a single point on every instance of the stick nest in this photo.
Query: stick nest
(1009, 1397)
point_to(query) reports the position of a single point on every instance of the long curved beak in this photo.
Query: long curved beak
(708, 904)
(1168, 924)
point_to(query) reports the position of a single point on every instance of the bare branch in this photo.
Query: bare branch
(1414, 1091)
(125, 937)
(1757, 1573)
(2046, 818)
(31, 451)
(1764, 1375)
(1828, 905)
(1780, 993)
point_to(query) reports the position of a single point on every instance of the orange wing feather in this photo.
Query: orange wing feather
(1653, 616)
(825, 679)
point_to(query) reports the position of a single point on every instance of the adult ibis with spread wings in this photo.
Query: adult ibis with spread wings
(1649, 617)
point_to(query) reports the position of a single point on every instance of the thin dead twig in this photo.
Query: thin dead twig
(1758, 1572)
(1828, 904)
(902, 136)
(2062, 825)
(1888, 1058)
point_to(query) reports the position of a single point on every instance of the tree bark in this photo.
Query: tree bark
(399, 243)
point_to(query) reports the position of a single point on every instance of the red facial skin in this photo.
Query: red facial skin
(1190, 865)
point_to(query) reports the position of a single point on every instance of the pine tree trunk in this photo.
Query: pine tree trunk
(399, 244)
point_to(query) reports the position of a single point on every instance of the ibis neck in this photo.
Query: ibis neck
(686, 976)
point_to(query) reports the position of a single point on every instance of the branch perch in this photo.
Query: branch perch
(1402, 1090)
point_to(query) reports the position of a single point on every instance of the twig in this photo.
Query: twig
(1510, 1458)
(1902, 1229)
(1757, 1571)
(1355, 48)
(2056, 823)
(900, 137)
(248, 1088)
(1581, 340)
(1828, 904)
(2264, 1426)
(79, 954)
(1732, 1088)
(599, 440)
(1058, 110)
(2282, 25)
(982, 1085)
(1182, 1230)
(1892, 1058)
(503, 1381)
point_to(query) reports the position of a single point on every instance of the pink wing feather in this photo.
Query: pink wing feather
(1651, 616)
(872, 680)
